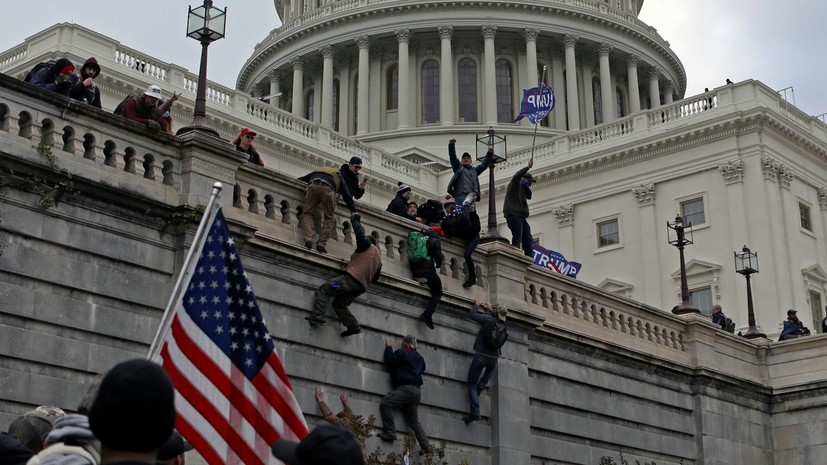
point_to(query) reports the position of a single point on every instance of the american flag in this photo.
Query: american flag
(233, 398)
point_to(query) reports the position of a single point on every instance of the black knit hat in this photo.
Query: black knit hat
(402, 188)
(134, 410)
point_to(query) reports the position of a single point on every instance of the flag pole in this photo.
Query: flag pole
(537, 122)
(216, 188)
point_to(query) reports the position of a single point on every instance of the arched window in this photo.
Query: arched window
(467, 81)
(505, 102)
(620, 107)
(309, 109)
(430, 92)
(598, 101)
(392, 87)
(335, 104)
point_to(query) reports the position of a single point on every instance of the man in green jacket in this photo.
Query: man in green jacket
(515, 209)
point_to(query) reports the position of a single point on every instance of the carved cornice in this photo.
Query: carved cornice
(275, 76)
(645, 194)
(732, 171)
(564, 214)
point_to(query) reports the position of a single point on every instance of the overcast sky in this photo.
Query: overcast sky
(779, 43)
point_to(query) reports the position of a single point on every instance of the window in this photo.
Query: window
(335, 104)
(701, 299)
(608, 233)
(430, 92)
(309, 109)
(505, 108)
(598, 101)
(393, 87)
(620, 108)
(804, 215)
(693, 211)
(815, 310)
(467, 80)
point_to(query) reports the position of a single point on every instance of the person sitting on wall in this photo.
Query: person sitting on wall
(85, 89)
(793, 327)
(399, 204)
(144, 109)
(244, 143)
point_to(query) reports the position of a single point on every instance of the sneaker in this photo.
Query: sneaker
(385, 436)
(315, 321)
(429, 322)
(321, 249)
(469, 282)
(351, 331)
(471, 419)
(308, 244)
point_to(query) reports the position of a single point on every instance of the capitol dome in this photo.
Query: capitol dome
(407, 75)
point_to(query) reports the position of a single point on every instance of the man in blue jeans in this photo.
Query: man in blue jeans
(406, 367)
(485, 356)
(515, 209)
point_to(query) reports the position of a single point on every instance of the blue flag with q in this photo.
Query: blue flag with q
(537, 103)
(555, 261)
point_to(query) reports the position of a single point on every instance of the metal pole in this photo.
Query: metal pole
(752, 331)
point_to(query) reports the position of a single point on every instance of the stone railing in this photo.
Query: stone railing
(13, 56)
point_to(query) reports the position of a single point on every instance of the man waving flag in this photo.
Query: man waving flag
(233, 398)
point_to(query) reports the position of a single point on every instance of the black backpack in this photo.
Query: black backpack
(729, 325)
(119, 108)
(431, 212)
(38, 67)
(494, 334)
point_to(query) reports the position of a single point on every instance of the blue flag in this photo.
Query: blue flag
(537, 103)
(555, 261)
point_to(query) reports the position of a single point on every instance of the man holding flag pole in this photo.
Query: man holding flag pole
(233, 399)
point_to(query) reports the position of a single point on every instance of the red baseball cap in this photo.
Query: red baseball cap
(246, 131)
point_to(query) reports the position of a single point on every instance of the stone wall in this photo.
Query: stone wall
(586, 373)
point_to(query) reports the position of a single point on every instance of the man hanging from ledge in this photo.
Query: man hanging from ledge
(364, 268)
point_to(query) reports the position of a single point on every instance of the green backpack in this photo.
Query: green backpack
(417, 247)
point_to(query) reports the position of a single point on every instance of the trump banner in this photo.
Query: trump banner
(555, 261)
(537, 103)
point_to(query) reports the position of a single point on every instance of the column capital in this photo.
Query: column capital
(570, 40)
(403, 35)
(632, 61)
(654, 73)
(326, 51)
(445, 32)
(822, 198)
(531, 34)
(774, 170)
(564, 214)
(667, 87)
(362, 41)
(297, 63)
(489, 31)
(645, 194)
(275, 75)
(604, 49)
(732, 171)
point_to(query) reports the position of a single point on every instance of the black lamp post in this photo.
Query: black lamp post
(205, 24)
(746, 263)
(498, 142)
(680, 241)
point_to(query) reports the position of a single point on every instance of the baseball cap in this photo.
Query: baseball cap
(325, 445)
(246, 131)
(791, 312)
(153, 91)
(32, 427)
(355, 161)
(175, 446)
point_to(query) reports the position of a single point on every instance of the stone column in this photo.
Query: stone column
(275, 88)
(489, 88)
(403, 36)
(650, 226)
(634, 87)
(559, 91)
(571, 82)
(363, 110)
(446, 77)
(376, 112)
(298, 86)
(667, 92)
(530, 36)
(327, 86)
(565, 222)
(344, 93)
(606, 83)
(587, 71)
(654, 87)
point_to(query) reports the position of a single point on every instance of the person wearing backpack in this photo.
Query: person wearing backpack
(487, 349)
(425, 258)
(59, 77)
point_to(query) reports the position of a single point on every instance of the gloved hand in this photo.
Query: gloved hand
(153, 125)
(468, 200)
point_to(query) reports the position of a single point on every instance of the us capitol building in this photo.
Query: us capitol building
(623, 152)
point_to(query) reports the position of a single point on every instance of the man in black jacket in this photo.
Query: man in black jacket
(399, 204)
(426, 270)
(350, 175)
(406, 367)
(85, 89)
(322, 187)
(485, 358)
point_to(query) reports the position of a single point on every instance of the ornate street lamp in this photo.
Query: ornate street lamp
(746, 263)
(205, 24)
(498, 142)
(680, 241)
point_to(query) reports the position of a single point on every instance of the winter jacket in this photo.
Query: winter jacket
(90, 95)
(517, 195)
(399, 207)
(365, 264)
(434, 246)
(352, 181)
(465, 180)
(46, 78)
(406, 366)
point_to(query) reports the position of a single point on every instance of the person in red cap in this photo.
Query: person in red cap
(85, 89)
(244, 143)
(56, 78)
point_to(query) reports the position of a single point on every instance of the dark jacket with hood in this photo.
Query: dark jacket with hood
(434, 246)
(399, 207)
(46, 78)
(517, 195)
(90, 95)
(352, 181)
